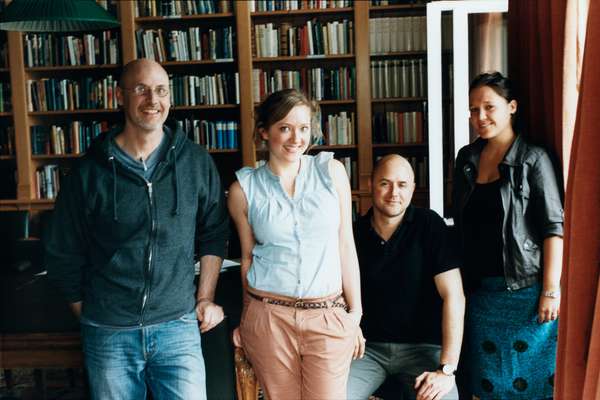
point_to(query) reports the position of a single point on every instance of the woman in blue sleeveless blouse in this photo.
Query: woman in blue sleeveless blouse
(300, 323)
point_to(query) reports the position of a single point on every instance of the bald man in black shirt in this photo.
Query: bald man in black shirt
(413, 301)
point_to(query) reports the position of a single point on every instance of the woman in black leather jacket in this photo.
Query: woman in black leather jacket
(509, 216)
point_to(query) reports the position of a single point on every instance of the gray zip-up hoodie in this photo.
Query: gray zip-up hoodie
(124, 246)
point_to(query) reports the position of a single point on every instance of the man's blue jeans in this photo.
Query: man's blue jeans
(166, 358)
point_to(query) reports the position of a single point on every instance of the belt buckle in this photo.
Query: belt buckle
(299, 303)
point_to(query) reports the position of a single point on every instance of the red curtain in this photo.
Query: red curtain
(536, 48)
(578, 363)
(536, 30)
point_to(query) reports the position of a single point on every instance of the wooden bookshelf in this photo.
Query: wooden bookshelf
(74, 68)
(402, 63)
(398, 7)
(328, 60)
(184, 18)
(318, 58)
(242, 20)
(7, 158)
(303, 12)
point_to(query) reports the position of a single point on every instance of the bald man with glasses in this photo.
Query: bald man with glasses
(121, 248)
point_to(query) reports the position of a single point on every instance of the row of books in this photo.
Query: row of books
(398, 127)
(193, 44)
(8, 177)
(398, 78)
(72, 138)
(393, 34)
(176, 8)
(213, 135)
(48, 49)
(47, 181)
(338, 129)
(3, 52)
(7, 140)
(280, 5)
(351, 169)
(420, 166)
(192, 90)
(5, 101)
(49, 94)
(311, 39)
(395, 2)
(317, 83)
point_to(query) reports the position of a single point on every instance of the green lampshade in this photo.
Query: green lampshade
(55, 16)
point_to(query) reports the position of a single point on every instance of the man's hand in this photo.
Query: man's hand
(548, 309)
(209, 313)
(433, 385)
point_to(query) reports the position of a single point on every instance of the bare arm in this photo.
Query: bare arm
(207, 311)
(449, 286)
(238, 209)
(434, 384)
(553, 254)
(348, 257)
(210, 266)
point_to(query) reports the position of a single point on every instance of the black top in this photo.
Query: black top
(400, 301)
(483, 230)
(531, 202)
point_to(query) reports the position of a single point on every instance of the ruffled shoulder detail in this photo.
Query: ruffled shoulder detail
(243, 176)
(321, 162)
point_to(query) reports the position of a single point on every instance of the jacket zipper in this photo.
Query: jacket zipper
(148, 268)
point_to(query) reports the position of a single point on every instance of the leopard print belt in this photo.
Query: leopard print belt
(305, 305)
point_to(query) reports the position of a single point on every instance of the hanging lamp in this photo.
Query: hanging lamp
(55, 16)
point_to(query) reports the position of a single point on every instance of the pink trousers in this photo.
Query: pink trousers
(298, 353)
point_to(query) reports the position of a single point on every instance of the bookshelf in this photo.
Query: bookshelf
(7, 138)
(198, 47)
(219, 44)
(398, 73)
(311, 46)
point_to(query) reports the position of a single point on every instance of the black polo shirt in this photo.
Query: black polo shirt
(400, 301)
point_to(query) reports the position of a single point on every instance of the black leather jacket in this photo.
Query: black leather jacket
(531, 201)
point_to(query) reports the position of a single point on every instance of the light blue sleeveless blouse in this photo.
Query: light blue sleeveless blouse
(297, 243)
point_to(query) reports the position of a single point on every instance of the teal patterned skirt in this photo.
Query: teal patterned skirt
(510, 354)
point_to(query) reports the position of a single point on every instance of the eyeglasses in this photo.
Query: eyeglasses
(143, 90)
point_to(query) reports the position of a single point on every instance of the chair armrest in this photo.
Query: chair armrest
(246, 383)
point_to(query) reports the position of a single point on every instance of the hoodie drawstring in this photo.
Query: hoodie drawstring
(114, 170)
(176, 183)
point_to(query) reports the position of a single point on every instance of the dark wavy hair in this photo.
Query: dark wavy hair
(499, 84)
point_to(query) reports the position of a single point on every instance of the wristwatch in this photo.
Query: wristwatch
(447, 369)
(553, 294)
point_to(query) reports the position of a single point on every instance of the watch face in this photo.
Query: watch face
(448, 369)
